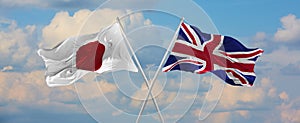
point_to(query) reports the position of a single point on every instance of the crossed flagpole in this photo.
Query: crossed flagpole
(151, 85)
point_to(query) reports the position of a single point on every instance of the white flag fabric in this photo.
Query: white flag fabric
(76, 56)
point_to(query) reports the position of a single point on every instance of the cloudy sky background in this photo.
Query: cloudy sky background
(31, 24)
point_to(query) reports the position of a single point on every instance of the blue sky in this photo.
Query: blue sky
(272, 25)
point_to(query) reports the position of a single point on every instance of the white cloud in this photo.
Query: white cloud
(241, 97)
(136, 20)
(284, 96)
(89, 89)
(24, 87)
(63, 25)
(290, 116)
(282, 56)
(239, 104)
(290, 112)
(244, 113)
(232, 96)
(221, 117)
(30, 90)
(188, 83)
(260, 39)
(236, 98)
(84, 21)
(142, 93)
(224, 117)
(7, 68)
(260, 36)
(270, 90)
(290, 30)
(14, 41)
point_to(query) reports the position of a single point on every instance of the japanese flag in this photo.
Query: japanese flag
(76, 56)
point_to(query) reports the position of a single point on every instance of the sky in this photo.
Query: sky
(28, 25)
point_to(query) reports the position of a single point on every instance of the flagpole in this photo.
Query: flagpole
(140, 67)
(157, 72)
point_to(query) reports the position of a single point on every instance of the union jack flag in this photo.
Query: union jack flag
(198, 52)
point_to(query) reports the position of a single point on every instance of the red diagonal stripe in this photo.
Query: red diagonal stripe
(189, 33)
(243, 81)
